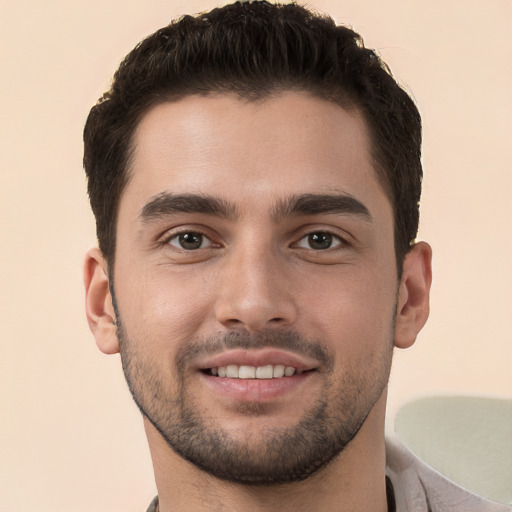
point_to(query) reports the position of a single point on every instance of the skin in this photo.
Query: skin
(258, 271)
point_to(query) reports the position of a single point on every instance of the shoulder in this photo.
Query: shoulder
(153, 506)
(419, 488)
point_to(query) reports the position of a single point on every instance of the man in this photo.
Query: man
(255, 176)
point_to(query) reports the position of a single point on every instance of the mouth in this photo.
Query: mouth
(257, 364)
(268, 371)
(256, 375)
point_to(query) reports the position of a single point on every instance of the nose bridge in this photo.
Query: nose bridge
(254, 290)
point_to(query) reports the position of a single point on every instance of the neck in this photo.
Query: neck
(354, 481)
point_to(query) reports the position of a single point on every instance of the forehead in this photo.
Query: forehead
(249, 152)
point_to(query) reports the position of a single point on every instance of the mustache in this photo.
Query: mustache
(269, 338)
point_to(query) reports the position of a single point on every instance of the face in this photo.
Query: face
(256, 282)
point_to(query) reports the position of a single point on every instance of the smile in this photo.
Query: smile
(256, 375)
(268, 371)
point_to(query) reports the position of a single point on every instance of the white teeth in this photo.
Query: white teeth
(268, 371)
(247, 372)
(232, 371)
(289, 371)
(264, 372)
(278, 371)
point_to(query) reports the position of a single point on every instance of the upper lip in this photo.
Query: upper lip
(260, 357)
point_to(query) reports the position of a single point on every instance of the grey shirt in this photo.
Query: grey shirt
(419, 488)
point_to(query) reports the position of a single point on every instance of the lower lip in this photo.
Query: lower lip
(256, 390)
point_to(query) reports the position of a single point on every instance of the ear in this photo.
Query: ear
(98, 302)
(413, 295)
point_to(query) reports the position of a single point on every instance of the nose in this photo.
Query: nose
(255, 291)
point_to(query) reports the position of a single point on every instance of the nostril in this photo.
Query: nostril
(234, 321)
(277, 321)
(254, 324)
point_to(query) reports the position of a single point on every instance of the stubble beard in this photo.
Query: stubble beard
(280, 455)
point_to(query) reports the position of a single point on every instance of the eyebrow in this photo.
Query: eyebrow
(315, 204)
(167, 203)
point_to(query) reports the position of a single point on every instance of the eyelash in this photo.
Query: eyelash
(175, 236)
(337, 242)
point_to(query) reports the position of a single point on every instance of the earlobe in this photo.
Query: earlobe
(98, 302)
(414, 294)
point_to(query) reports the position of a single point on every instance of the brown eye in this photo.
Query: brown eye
(190, 241)
(319, 241)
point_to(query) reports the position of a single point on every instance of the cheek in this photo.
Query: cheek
(161, 308)
(355, 314)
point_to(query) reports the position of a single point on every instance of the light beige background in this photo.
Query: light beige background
(70, 437)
